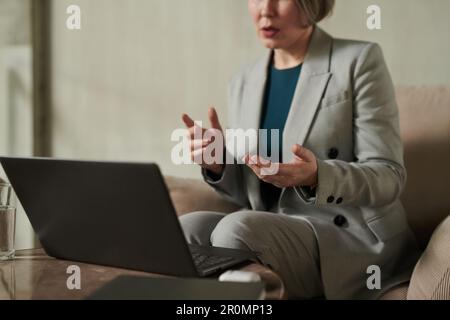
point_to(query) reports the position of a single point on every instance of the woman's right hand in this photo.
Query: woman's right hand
(198, 146)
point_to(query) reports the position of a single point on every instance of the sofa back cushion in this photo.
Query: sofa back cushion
(425, 130)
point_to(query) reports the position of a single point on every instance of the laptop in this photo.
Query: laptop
(111, 213)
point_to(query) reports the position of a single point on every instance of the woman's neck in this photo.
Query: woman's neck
(294, 55)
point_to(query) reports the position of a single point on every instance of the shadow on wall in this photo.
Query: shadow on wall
(426, 197)
(425, 129)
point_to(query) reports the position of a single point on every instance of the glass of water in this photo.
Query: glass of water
(7, 223)
(5, 193)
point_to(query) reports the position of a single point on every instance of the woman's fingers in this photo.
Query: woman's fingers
(196, 132)
(201, 138)
(254, 163)
(199, 144)
(283, 169)
(276, 180)
(290, 169)
(187, 120)
(256, 160)
(261, 167)
(255, 169)
(303, 153)
(197, 156)
(214, 119)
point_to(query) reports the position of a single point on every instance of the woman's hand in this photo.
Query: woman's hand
(196, 135)
(301, 171)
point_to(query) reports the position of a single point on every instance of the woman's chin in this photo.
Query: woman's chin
(270, 44)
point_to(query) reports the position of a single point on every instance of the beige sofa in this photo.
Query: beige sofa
(425, 129)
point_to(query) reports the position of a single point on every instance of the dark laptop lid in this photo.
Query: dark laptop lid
(110, 213)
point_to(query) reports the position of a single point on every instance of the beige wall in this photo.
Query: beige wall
(414, 36)
(16, 96)
(121, 83)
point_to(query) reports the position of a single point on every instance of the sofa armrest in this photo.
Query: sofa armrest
(431, 276)
(399, 292)
(189, 195)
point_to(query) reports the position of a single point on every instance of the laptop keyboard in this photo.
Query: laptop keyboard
(203, 261)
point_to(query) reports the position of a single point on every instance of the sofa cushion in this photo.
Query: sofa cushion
(431, 276)
(397, 293)
(425, 131)
(189, 195)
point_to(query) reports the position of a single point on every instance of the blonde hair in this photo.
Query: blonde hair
(315, 10)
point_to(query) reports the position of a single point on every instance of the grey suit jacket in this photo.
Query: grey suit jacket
(344, 110)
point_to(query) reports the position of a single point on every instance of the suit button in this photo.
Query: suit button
(339, 200)
(333, 153)
(330, 199)
(340, 220)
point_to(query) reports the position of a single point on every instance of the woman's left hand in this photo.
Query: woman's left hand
(301, 171)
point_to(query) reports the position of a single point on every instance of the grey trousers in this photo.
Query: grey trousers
(287, 244)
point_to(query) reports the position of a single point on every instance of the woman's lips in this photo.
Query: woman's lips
(269, 32)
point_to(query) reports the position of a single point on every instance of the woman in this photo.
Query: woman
(331, 213)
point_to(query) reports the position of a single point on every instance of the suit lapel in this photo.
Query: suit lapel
(308, 93)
